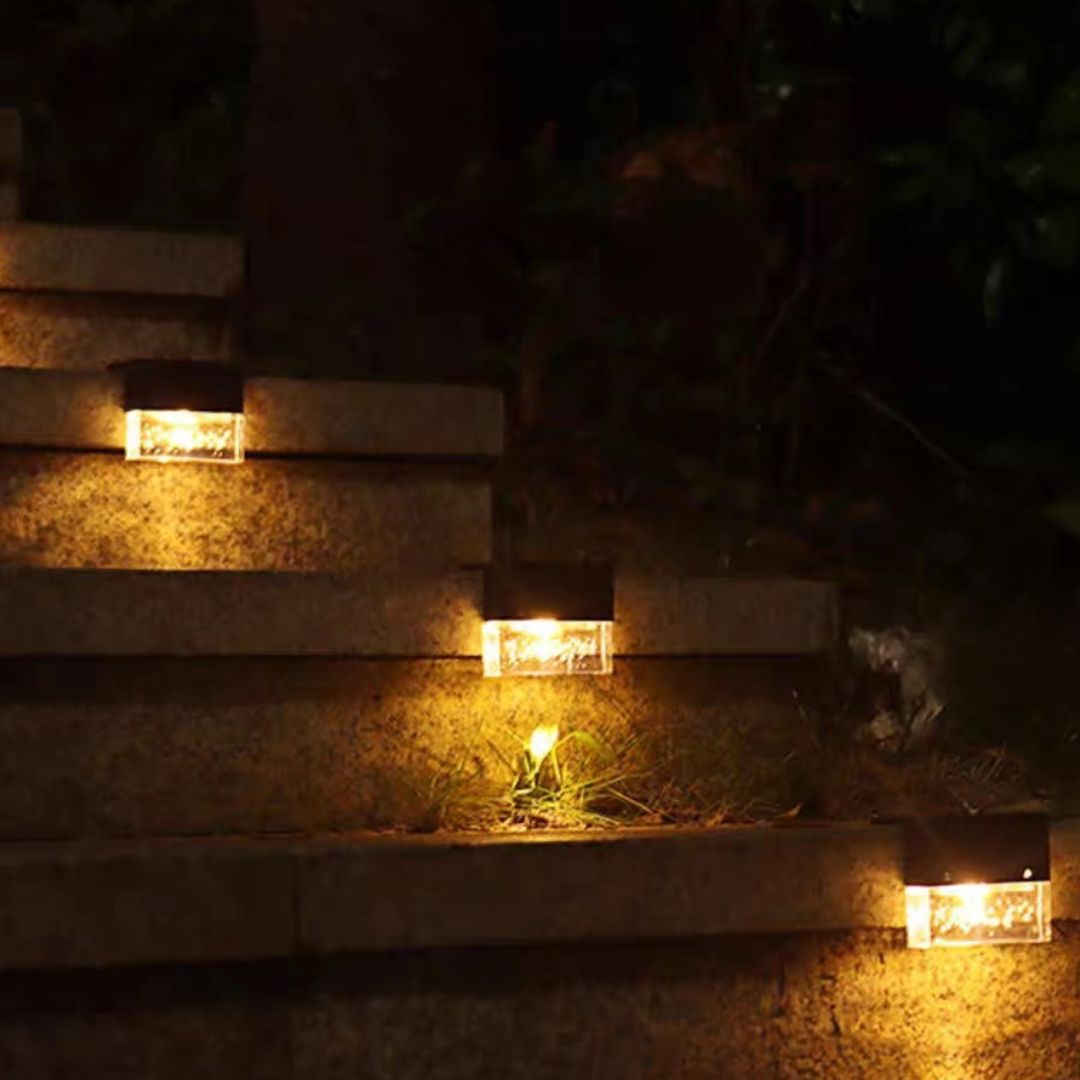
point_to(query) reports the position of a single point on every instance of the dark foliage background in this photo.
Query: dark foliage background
(134, 110)
(803, 279)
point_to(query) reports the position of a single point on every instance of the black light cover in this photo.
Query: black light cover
(569, 592)
(988, 848)
(201, 386)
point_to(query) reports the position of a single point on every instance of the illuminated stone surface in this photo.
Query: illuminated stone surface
(334, 417)
(197, 613)
(795, 1007)
(839, 1005)
(1064, 850)
(78, 511)
(671, 615)
(56, 617)
(131, 905)
(190, 746)
(82, 410)
(849, 1006)
(60, 409)
(89, 332)
(65, 258)
(658, 885)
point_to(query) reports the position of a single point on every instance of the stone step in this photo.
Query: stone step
(84, 410)
(411, 613)
(75, 297)
(67, 499)
(419, 614)
(179, 703)
(72, 331)
(78, 510)
(199, 901)
(99, 747)
(36, 257)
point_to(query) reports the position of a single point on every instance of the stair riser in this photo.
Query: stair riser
(163, 747)
(92, 331)
(98, 511)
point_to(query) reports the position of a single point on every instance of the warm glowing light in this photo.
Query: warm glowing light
(542, 741)
(182, 435)
(1011, 913)
(546, 647)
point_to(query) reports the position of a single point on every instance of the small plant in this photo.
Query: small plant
(430, 794)
(571, 780)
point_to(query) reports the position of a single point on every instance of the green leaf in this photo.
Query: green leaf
(591, 743)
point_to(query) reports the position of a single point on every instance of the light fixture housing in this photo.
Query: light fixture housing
(981, 880)
(548, 619)
(183, 410)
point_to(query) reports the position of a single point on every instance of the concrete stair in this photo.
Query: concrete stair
(209, 678)
(293, 645)
(80, 298)
(212, 678)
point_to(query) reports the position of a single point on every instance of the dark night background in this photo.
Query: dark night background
(799, 276)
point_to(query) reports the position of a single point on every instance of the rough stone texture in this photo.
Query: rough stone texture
(168, 747)
(216, 1024)
(60, 409)
(89, 907)
(74, 613)
(216, 900)
(825, 1006)
(96, 511)
(65, 258)
(334, 417)
(838, 1006)
(664, 885)
(815, 1007)
(83, 410)
(661, 884)
(410, 614)
(850, 1006)
(723, 616)
(39, 330)
(1065, 860)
